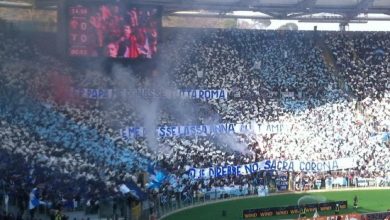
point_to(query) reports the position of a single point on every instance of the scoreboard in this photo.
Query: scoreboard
(115, 30)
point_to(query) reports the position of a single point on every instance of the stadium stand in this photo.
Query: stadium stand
(70, 148)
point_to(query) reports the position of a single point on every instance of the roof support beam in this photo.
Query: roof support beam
(274, 15)
(303, 8)
(361, 7)
(303, 19)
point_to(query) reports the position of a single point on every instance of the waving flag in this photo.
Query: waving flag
(157, 177)
(132, 189)
(34, 199)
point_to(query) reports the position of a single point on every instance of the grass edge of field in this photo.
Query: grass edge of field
(163, 217)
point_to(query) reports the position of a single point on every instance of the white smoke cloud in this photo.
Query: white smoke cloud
(150, 110)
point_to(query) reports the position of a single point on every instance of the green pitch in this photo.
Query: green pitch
(368, 201)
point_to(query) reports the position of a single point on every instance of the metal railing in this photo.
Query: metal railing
(165, 204)
(173, 204)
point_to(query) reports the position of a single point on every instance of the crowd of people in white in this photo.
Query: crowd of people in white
(270, 75)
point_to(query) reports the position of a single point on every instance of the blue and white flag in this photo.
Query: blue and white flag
(34, 199)
(132, 189)
(157, 177)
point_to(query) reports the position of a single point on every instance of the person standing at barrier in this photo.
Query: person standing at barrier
(355, 202)
(58, 214)
(316, 215)
(33, 201)
(337, 209)
(302, 212)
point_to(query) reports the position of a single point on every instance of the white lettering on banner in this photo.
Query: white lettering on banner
(203, 94)
(93, 93)
(273, 128)
(279, 165)
(196, 130)
(132, 132)
(204, 130)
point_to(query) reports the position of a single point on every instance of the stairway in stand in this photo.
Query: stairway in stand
(334, 70)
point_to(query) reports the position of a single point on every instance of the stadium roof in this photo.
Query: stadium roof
(346, 10)
(330, 10)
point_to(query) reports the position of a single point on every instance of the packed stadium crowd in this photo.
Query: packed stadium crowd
(71, 149)
(363, 58)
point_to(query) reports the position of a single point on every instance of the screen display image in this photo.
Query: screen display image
(113, 30)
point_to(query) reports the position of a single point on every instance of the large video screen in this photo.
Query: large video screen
(114, 30)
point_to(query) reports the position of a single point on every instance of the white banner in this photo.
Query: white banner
(205, 130)
(93, 93)
(278, 165)
(202, 94)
